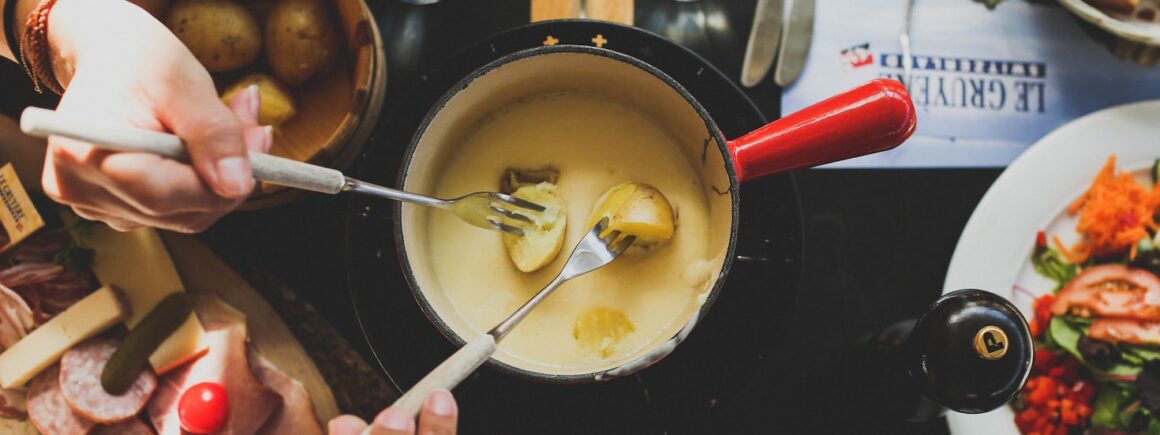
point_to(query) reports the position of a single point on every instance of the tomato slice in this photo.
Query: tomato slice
(1132, 331)
(204, 408)
(1111, 290)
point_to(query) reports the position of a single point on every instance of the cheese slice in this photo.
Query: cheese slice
(137, 263)
(44, 345)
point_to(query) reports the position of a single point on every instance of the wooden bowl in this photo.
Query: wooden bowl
(336, 111)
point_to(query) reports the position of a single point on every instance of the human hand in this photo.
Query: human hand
(439, 416)
(120, 65)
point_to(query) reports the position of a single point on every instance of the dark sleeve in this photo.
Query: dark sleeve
(9, 29)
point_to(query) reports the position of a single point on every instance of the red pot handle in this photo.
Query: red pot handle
(873, 117)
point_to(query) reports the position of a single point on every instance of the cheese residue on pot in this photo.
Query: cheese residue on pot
(596, 144)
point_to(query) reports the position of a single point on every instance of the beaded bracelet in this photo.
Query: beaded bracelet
(34, 50)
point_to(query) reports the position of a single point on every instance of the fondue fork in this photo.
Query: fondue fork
(482, 209)
(593, 252)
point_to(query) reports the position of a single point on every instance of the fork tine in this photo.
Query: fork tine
(600, 226)
(611, 237)
(511, 214)
(506, 228)
(518, 202)
(622, 245)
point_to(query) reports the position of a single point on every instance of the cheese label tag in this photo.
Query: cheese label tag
(18, 217)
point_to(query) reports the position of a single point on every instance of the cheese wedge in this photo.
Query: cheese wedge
(137, 263)
(44, 345)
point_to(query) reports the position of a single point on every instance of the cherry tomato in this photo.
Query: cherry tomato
(204, 408)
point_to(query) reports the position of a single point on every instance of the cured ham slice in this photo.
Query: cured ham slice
(48, 287)
(297, 413)
(250, 402)
(12, 404)
(15, 318)
(1111, 290)
(1132, 331)
(31, 270)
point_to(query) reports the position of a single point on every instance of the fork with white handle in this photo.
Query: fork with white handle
(593, 252)
(490, 210)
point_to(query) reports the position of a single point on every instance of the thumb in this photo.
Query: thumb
(213, 135)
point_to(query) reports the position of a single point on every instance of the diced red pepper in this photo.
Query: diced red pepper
(1044, 360)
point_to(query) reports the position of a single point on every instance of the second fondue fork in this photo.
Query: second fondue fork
(489, 210)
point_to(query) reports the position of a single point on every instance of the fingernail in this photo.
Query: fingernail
(395, 420)
(441, 403)
(233, 176)
(256, 139)
(269, 137)
(254, 97)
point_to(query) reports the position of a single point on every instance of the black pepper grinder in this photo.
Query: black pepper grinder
(971, 352)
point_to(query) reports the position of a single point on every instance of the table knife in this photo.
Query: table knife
(795, 42)
(763, 41)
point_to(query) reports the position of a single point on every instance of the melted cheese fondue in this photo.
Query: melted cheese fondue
(596, 144)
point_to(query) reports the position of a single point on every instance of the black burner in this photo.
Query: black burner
(701, 386)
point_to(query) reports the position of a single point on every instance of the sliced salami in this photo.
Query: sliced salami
(47, 409)
(133, 426)
(80, 384)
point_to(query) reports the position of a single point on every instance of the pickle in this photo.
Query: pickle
(132, 356)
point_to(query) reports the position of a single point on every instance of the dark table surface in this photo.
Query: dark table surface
(876, 242)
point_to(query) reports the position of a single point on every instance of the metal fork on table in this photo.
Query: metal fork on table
(482, 209)
(593, 252)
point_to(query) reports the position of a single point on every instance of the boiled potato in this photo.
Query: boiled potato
(156, 8)
(220, 33)
(636, 209)
(598, 330)
(276, 107)
(301, 40)
(542, 238)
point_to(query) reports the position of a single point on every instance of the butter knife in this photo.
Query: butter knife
(795, 42)
(763, 41)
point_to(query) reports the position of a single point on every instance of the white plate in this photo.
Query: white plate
(1031, 195)
(1122, 26)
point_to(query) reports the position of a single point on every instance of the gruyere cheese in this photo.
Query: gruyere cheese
(137, 263)
(44, 345)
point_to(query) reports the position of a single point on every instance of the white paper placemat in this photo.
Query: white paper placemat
(986, 83)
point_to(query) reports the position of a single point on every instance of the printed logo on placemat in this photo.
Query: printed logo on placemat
(857, 56)
(970, 83)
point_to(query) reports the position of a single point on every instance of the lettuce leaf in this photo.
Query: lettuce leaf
(1065, 335)
(1106, 410)
(1049, 263)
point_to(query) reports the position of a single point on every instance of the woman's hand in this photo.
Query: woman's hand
(120, 65)
(439, 416)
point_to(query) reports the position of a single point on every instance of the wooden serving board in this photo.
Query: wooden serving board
(203, 273)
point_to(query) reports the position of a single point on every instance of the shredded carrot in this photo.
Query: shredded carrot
(1114, 214)
(1076, 254)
